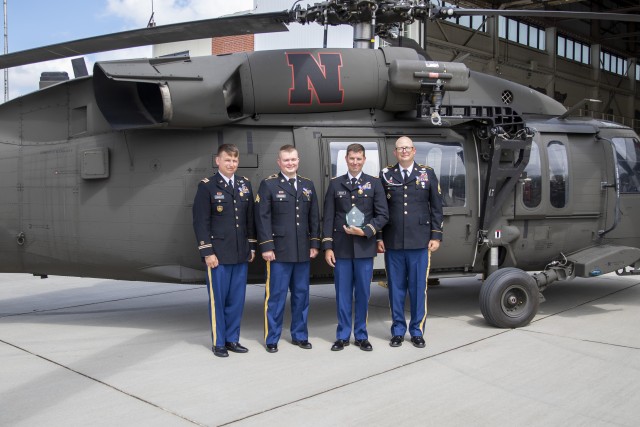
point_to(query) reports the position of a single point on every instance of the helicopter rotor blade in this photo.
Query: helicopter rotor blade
(215, 27)
(447, 12)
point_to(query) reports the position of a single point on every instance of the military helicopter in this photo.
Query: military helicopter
(99, 173)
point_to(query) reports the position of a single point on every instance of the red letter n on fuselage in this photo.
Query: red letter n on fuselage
(310, 77)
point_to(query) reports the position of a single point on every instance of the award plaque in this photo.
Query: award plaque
(355, 217)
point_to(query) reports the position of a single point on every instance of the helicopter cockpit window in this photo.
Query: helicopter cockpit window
(628, 158)
(532, 179)
(338, 151)
(558, 174)
(447, 161)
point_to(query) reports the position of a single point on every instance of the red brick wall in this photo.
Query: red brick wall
(231, 44)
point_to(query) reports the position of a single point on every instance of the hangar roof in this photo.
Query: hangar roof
(620, 37)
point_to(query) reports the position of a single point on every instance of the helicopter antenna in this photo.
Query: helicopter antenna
(6, 50)
(576, 107)
(151, 22)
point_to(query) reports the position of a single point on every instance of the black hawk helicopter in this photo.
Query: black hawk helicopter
(98, 173)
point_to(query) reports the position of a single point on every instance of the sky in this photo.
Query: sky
(36, 23)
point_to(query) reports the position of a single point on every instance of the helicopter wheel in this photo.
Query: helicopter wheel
(509, 298)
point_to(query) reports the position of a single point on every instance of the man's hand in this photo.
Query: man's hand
(434, 245)
(356, 231)
(380, 247)
(253, 256)
(269, 256)
(313, 252)
(330, 257)
(211, 261)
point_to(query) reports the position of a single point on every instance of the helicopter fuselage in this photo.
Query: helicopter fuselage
(98, 174)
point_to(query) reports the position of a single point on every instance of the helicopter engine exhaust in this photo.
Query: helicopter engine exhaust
(143, 93)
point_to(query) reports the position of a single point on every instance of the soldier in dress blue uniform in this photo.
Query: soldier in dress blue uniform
(224, 227)
(413, 232)
(351, 249)
(288, 227)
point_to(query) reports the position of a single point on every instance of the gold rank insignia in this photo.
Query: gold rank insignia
(258, 198)
(219, 208)
(388, 195)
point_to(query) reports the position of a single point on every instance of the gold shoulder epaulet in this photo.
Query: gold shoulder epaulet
(275, 175)
(246, 179)
(336, 177)
(205, 180)
(425, 166)
(304, 177)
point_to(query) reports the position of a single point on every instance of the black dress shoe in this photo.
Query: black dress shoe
(302, 344)
(363, 344)
(272, 348)
(418, 342)
(339, 345)
(396, 341)
(236, 347)
(220, 352)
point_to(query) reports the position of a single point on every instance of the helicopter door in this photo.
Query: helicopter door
(455, 165)
(620, 221)
(559, 197)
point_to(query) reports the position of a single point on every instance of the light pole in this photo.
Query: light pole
(6, 50)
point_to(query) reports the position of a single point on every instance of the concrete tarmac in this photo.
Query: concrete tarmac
(78, 352)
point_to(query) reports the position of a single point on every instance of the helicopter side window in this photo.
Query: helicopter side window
(447, 161)
(628, 159)
(558, 174)
(338, 151)
(532, 179)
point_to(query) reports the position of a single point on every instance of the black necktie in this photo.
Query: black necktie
(353, 181)
(406, 175)
(292, 181)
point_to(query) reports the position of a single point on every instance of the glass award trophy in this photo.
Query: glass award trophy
(355, 217)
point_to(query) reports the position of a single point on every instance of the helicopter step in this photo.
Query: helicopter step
(604, 259)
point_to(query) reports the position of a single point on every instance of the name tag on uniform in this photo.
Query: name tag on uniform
(219, 197)
(341, 193)
(281, 196)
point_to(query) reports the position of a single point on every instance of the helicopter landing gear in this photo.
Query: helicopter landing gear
(509, 298)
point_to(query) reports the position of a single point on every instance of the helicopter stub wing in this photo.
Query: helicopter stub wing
(215, 27)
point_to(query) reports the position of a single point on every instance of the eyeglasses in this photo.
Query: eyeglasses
(404, 149)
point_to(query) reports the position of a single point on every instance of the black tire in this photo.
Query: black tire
(509, 298)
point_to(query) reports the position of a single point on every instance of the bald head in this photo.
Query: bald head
(404, 151)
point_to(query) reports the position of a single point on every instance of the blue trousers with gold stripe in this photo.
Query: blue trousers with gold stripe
(227, 286)
(407, 270)
(283, 276)
(353, 278)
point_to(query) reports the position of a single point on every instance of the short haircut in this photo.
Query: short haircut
(230, 149)
(355, 148)
(288, 148)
